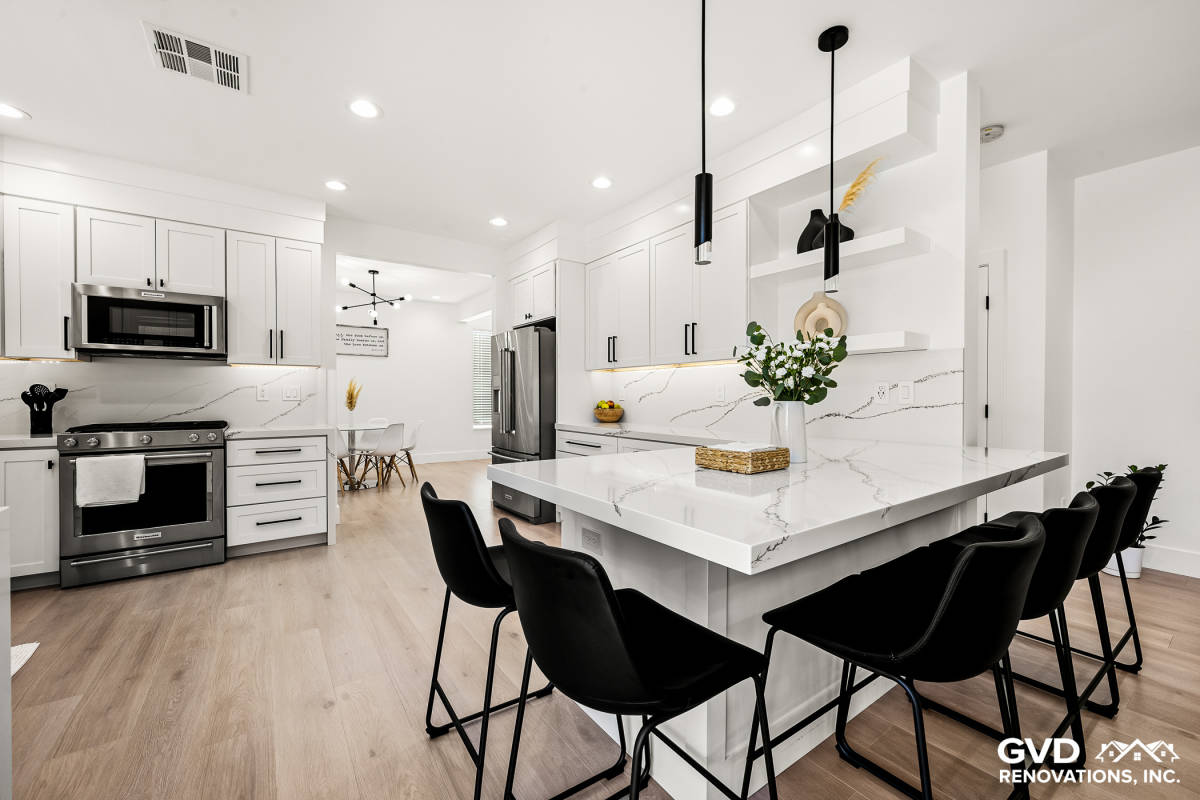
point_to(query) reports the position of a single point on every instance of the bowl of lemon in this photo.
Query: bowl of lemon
(608, 411)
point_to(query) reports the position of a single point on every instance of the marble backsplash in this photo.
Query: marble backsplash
(716, 399)
(141, 390)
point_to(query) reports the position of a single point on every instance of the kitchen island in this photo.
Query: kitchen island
(722, 548)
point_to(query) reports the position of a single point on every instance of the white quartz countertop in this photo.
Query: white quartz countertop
(235, 432)
(23, 441)
(751, 523)
(653, 433)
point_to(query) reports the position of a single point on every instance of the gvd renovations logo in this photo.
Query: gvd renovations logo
(1059, 761)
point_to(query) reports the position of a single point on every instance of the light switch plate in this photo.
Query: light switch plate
(720, 392)
(906, 393)
(592, 542)
(291, 391)
(882, 393)
(262, 393)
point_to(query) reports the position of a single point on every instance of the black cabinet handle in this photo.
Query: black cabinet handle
(49, 464)
(685, 345)
(66, 333)
(271, 343)
(150, 283)
(278, 521)
(281, 343)
(278, 483)
(614, 350)
(162, 282)
(693, 339)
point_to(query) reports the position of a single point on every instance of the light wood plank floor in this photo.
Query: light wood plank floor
(304, 674)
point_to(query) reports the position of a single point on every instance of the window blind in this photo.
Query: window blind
(481, 377)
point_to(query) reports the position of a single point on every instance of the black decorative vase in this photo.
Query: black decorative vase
(808, 236)
(41, 400)
(847, 233)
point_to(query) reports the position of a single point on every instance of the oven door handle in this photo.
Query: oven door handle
(159, 456)
(86, 561)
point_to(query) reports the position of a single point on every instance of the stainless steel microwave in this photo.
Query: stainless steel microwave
(119, 321)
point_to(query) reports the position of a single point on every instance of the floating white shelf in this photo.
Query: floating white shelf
(891, 342)
(864, 251)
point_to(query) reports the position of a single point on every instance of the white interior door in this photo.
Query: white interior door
(720, 289)
(632, 345)
(190, 258)
(250, 300)
(39, 265)
(115, 249)
(672, 272)
(298, 296)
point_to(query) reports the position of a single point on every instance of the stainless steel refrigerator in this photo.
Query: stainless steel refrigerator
(522, 412)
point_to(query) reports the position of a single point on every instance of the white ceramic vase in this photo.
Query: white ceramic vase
(787, 429)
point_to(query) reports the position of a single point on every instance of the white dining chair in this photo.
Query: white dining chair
(384, 457)
(410, 444)
(367, 440)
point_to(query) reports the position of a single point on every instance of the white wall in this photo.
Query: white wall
(426, 376)
(1136, 332)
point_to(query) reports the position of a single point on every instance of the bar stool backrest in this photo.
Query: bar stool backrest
(1114, 499)
(981, 607)
(1067, 533)
(572, 622)
(461, 555)
(1147, 482)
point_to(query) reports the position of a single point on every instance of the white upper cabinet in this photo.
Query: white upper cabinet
(533, 295)
(29, 487)
(699, 312)
(39, 265)
(298, 299)
(618, 309)
(115, 249)
(189, 258)
(250, 305)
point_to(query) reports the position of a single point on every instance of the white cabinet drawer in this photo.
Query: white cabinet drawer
(239, 452)
(266, 483)
(586, 444)
(264, 522)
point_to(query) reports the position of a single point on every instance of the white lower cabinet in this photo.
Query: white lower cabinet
(275, 489)
(29, 487)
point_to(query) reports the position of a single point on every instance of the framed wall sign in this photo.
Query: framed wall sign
(361, 340)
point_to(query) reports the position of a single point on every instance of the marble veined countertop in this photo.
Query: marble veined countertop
(237, 432)
(750, 523)
(671, 434)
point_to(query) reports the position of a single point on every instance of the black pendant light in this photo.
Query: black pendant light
(830, 41)
(375, 298)
(702, 225)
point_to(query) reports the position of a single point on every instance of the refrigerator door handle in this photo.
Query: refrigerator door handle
(508, 381)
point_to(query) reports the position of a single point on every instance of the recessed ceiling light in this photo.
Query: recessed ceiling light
(722, 107)
(336, 185)
(437, 297)
(498, 222)
(808, 149)
(12, 112)
(601, 182)
(345, 281)
(683, 208)
(364, 108)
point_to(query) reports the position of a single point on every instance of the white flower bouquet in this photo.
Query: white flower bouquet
(791, 371)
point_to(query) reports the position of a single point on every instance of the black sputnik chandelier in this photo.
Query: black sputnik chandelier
(376, 299)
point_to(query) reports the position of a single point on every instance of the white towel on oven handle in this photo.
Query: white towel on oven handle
(109, 480)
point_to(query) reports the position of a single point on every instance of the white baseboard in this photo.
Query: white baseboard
(448, 455)
(1172, 559)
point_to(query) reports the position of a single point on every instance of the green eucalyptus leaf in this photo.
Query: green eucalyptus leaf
(762, 401)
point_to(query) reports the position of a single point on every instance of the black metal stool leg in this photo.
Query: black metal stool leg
(430, 728)
(487, 702)
(760, 690)
(1110, 708)
(516, 743)
(1066, 668)
(750, 754)
(1136, 666)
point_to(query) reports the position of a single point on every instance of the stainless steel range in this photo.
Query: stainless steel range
(179, 519)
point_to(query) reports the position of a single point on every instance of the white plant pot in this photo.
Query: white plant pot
(787, 429)
(1132, 556)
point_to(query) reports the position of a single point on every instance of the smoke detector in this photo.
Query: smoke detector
(188, 55)
(990, 133)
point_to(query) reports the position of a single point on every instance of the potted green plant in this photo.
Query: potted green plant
(1132, 556)
(791, 375)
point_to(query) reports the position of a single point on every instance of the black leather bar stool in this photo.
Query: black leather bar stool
(1113, 500)
(1067, 533)
(1147, 481)
(939, 614)
(619, 652)
(477, 575)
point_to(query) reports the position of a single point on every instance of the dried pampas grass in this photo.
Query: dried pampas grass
(859, 186)
(353, 390)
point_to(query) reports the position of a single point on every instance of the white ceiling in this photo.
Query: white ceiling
(397, 280)
(512, 108)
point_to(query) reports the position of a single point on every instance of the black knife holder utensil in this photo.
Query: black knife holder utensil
(41, 400)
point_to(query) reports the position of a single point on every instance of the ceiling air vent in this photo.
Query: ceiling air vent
(190, 56)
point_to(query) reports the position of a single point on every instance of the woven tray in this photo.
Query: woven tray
(745, 463)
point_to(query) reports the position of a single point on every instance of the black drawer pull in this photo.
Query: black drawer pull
(278, 483)
(584, 444)
(279, 450)
(278, 521)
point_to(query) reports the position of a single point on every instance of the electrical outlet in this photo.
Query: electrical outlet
(592, 542)
(291, 392)
(906, 393)
(262, 393)
(882, 393)
(720, 392)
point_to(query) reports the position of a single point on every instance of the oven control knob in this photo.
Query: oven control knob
(193, 437)
(69, 442)
(212, 437)
(146, 438)
(93, 441)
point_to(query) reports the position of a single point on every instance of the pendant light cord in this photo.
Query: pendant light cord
(703, 93)
(832, 56)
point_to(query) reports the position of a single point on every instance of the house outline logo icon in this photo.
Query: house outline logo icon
(1158, 751)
